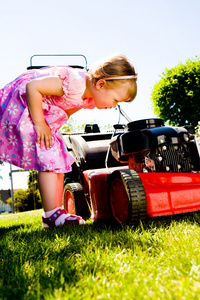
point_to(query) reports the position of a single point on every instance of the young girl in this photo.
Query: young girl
(37, 103)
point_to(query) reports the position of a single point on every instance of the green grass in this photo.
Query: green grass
(158, 259)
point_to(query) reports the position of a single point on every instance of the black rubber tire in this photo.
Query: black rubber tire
(127, 199)
(74, 201)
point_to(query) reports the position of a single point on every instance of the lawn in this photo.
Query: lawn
(158, 259)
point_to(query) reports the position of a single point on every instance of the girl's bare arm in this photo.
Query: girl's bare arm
(34, 91)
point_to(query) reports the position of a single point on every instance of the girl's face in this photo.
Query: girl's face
(106, 97)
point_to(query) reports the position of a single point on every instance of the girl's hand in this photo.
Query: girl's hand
(43, 135)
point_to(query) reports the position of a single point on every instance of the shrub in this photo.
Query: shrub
(176, 96)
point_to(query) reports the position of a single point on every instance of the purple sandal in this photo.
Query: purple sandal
(69, 220)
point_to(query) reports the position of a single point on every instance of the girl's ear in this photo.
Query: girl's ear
(100, 84)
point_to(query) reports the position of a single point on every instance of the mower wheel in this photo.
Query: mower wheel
(126, 197)
(74, 200)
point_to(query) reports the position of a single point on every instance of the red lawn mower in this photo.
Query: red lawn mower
(144, 169)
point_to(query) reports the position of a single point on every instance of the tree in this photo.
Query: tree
(33, 194)
(176, 97)
(29, 199)
(72, 126)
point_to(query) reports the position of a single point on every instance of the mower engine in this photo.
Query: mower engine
(150, 146)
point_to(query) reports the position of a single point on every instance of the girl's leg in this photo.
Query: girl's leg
(60, 186)
(51, 189)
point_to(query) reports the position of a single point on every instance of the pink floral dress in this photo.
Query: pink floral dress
(17, 135)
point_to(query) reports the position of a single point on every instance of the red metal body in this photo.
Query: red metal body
(166, 193)
(96, 185)
(171, 193)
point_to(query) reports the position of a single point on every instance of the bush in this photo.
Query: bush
(25, 200)
(29, 199)
(176, 96)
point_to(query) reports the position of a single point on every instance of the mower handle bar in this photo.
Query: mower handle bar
(80, 55)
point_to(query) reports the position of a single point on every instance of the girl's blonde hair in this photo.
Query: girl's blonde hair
(115, 65)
